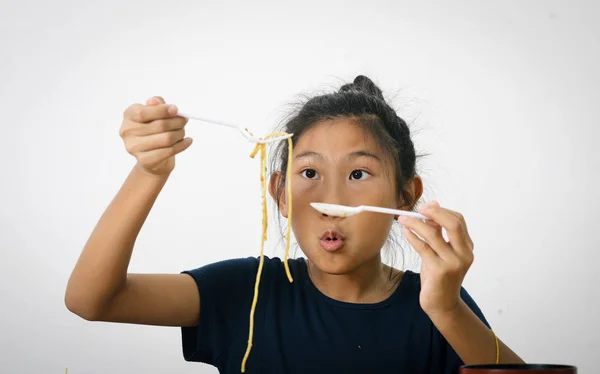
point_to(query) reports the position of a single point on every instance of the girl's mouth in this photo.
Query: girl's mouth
(332, 241)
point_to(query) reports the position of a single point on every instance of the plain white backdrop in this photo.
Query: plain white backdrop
(503, 95)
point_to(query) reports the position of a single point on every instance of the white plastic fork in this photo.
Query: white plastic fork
(347, 211)
(247, 134)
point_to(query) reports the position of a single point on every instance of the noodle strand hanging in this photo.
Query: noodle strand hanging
(263, 181)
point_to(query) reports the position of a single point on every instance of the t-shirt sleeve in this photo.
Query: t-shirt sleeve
(226, 292)
(453, 361)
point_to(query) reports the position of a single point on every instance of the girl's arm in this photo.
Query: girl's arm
(100, 289)
(470, 338)
(445, 264)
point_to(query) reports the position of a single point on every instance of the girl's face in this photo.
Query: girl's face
(338, 162)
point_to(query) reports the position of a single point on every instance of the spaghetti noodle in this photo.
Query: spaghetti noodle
(497, 348)
(263, 181)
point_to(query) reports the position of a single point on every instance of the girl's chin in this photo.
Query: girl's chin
(332, 263)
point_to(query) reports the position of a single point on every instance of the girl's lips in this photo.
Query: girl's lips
(332, 241)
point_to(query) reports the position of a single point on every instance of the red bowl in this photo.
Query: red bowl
(518, 368)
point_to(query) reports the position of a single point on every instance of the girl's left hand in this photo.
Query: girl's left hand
(445, 264)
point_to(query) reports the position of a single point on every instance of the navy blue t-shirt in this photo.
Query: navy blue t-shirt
(298, 329)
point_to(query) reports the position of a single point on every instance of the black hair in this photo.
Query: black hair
(363, 102)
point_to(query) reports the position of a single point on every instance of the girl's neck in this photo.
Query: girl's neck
(368, 284)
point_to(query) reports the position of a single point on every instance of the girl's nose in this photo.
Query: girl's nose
(334, 191)
(327, 215)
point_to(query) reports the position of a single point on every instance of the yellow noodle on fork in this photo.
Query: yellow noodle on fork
(262, 148)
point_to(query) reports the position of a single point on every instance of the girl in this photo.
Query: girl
(345, 311)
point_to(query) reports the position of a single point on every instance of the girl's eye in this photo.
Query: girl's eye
(359, 175)
(309, 174)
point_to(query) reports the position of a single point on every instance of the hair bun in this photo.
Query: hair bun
(365, 85)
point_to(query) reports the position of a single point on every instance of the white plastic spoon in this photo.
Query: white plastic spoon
(347, 211)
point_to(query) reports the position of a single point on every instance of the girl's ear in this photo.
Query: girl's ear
(274, 182)
(415, 190)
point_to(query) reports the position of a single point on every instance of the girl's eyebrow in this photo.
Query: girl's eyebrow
(350, 157)
(357, 154)
(309, 154)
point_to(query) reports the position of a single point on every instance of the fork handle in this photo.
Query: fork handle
(202, 119)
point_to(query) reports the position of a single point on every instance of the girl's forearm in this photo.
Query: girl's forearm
(470, 338)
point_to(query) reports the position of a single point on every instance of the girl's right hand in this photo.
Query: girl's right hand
(154, 134)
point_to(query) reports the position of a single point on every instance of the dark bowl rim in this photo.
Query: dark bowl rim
(520, 366)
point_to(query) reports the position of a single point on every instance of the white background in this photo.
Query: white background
(503, 94)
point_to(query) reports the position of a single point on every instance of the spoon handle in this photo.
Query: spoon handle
(392, 211)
